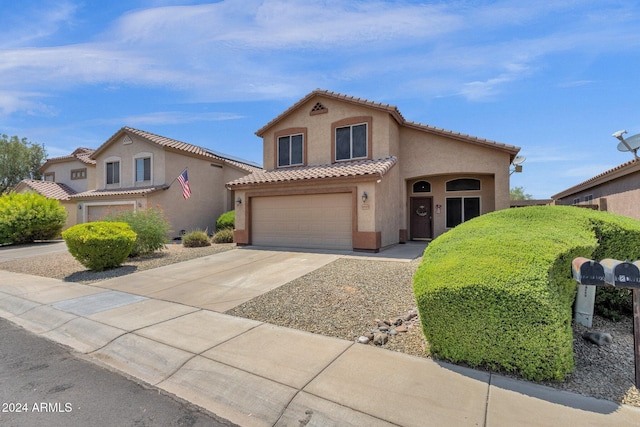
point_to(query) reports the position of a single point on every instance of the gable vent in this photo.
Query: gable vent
(126, 140)
(318, 109)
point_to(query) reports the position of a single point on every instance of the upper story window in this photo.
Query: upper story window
(463, 184)
(290, 150)
(113, 172)
(352, 142)
(79, 173)
(422, 187)
(50, 176)
(143, 169)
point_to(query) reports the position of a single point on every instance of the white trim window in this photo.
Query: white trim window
(352, 142)
(143, 169)
(291, 150)
(112, 171)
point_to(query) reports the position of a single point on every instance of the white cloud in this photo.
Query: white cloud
(232, 50)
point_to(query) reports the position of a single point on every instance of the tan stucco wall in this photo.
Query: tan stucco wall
(319, 131)
(126, 154)
(62, 171)
(621, 196)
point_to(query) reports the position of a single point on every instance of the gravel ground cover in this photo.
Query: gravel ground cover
(346, 299)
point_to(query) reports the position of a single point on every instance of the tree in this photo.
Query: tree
(19, 159)
(517, 193)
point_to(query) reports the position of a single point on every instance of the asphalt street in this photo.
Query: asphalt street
(45, 384)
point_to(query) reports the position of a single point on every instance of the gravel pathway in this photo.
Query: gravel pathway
(346, 299)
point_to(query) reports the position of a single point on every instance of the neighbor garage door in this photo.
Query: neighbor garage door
(304, 221)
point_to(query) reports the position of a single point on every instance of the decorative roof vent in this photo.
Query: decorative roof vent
(126, 140)
(318, 109)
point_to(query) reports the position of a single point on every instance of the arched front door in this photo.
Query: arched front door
(421, 216)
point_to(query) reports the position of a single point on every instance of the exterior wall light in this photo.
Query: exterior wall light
(238, 201)
(364, 197)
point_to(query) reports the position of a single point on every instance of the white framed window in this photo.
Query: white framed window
(112, 171)
(589, 199)
(461, 209)
(352, 142)
(291, 150)
(142, 168)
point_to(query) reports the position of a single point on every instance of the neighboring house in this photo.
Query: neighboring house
(616, 190)
(63, 177)
(135, 169)
(347, 173)
(530, 202)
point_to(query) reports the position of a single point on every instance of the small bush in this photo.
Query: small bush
(100, 245)
(26, 217)
(613, 303)
(498, 290)
(223, 236)
(226, 221)
(150, 226)
(196, 239)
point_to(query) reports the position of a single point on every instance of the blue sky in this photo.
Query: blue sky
(555, 78)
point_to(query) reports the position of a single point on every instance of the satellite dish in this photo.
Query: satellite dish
(629, 144)
(518, 160)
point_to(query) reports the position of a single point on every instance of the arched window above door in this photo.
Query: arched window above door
(422, 187)
(463, 184)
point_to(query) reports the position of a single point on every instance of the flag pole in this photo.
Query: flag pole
(174, 179)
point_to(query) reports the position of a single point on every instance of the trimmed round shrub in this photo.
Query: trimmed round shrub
(498, 290)
(27, 217)
(226, 221)
(196, 239)
(151, 228)
(223, 236)
(100, 245)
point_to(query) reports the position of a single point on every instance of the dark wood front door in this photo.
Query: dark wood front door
(421, 216)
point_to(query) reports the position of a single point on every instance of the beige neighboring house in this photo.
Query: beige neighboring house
(62, 178)
(135, 169)
(616, 190)
(351, 174)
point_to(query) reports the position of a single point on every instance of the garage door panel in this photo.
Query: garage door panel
(306, 221)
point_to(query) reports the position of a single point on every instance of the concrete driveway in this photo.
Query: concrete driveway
(222, 281)
(11, 252)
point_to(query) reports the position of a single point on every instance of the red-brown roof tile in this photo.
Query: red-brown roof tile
(49, 189)
(621, 170)
(335, 170)
(139, 191)
(181, 146)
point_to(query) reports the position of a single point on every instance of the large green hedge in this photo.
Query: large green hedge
(497, 291)
(100, 245)
(26, 217)
(226, 221)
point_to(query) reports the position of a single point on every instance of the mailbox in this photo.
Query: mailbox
(621, 273)
(588, 272)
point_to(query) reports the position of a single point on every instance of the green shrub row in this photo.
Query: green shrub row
(151, 228)
(498, 291)
(26, 217)
(100, 245)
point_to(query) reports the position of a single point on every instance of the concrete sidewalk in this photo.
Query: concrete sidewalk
(257, 374)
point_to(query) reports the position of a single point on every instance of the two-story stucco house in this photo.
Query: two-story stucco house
(63, 177)
(134, 170)
(347, 173)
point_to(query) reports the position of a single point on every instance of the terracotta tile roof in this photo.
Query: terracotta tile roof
(616, 172)
(335, 170)
(138, 191)
(395, 113)
(181, 146)
(49, 189)
(81, 154)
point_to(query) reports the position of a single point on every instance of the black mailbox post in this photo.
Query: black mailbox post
(621, 274)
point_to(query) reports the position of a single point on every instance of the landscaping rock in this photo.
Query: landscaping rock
(597, 337)
(363, 340)
(380, 339)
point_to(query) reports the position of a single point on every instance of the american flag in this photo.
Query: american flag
(184, 181)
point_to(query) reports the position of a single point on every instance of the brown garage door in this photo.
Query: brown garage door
(97, 212)
(305, 221)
